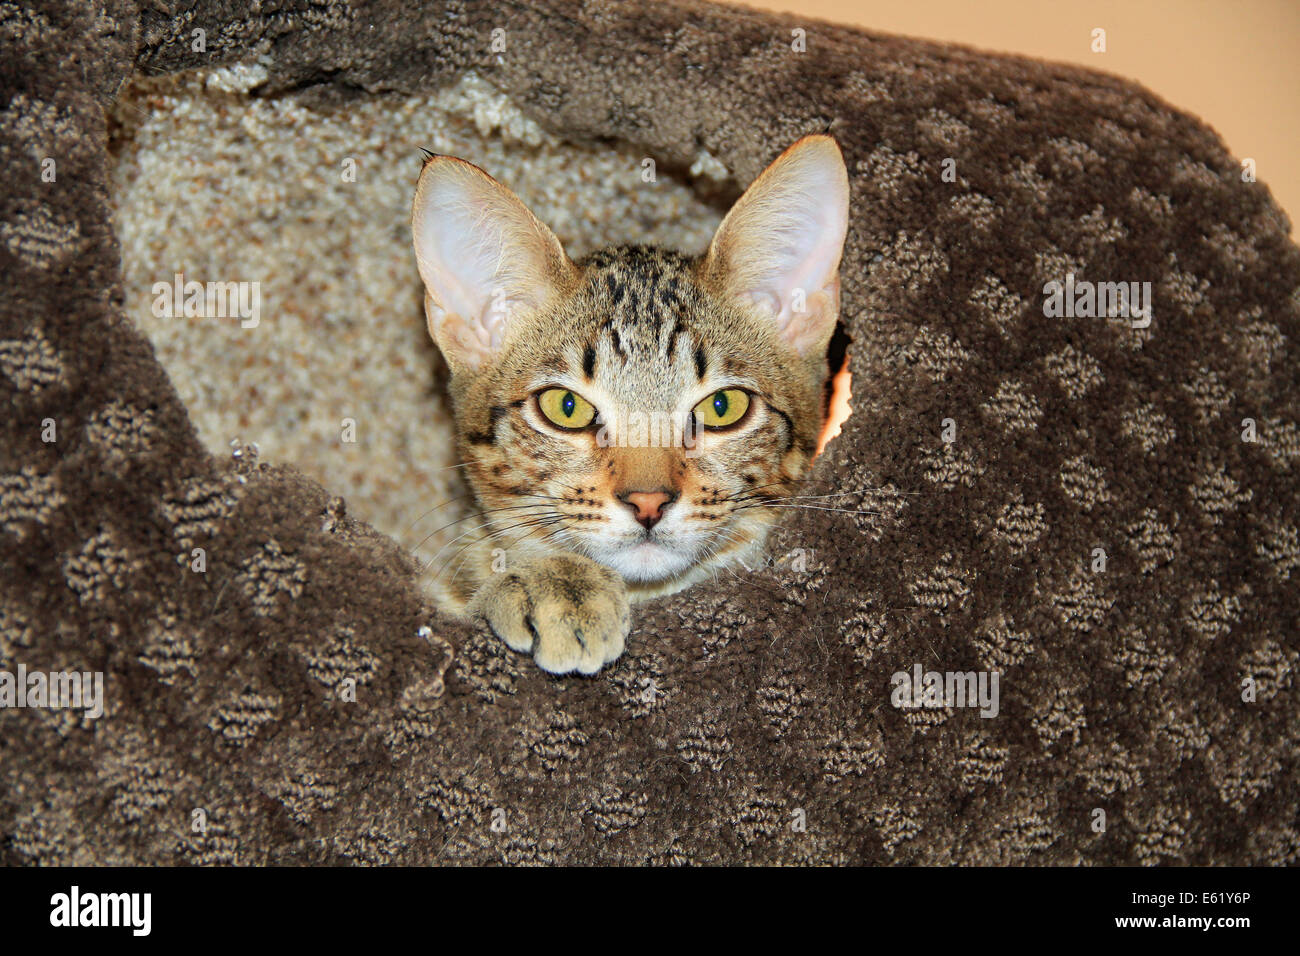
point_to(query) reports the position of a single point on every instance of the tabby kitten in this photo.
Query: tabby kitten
(626, 421)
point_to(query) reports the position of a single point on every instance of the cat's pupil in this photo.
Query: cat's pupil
(720, 404)
(567, 404)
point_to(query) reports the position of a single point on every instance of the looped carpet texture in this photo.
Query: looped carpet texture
(1100, 510)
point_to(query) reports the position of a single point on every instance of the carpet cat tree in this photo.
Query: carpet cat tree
(1103, 512)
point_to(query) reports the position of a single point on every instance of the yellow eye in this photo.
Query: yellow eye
(722, 408)
(565, 408)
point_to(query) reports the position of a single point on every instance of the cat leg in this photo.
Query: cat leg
(569, 612)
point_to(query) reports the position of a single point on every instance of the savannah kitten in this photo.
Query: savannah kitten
(557, 367)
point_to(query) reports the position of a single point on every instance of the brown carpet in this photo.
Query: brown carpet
(751, 719)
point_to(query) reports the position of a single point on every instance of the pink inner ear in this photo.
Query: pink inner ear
(463, 343)
(811, 329)
(482, 256)
(784, 238)
(457, 249)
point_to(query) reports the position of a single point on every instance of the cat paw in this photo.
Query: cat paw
(569, 612)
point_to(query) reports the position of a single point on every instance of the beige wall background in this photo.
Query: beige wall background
(1233, 63)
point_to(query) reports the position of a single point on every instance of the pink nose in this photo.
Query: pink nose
(648, 505)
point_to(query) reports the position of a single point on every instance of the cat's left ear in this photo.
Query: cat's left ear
(777, 252)
(484, 257)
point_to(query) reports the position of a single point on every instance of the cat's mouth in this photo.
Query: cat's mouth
(651, 560)
(646, 558)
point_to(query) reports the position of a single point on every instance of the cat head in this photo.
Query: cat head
(638, 406)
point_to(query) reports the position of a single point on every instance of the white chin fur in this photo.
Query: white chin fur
(646, 562)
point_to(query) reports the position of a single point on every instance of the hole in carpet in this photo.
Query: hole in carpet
(311, 203)
(839, 386)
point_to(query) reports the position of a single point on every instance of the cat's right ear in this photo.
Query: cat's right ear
(777, 252)
(484, 259)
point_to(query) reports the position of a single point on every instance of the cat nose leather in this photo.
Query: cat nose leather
(648, 505)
